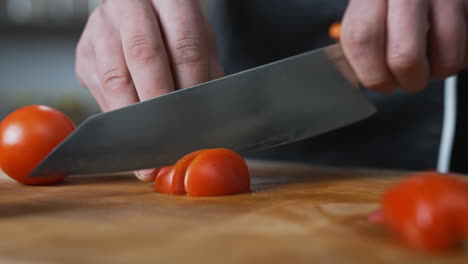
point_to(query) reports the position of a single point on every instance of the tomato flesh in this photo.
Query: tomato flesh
(428, 210)
(27, 136)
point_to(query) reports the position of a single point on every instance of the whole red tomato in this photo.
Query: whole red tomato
(429, 210)
(27, 136)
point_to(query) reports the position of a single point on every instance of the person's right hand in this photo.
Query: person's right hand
(132, 51)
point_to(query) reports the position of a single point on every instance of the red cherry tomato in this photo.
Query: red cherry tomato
(27, 136)
(205, 173)
(429, 210)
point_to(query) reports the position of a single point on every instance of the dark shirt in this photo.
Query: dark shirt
(404, 134)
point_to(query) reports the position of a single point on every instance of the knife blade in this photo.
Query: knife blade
(278, 103)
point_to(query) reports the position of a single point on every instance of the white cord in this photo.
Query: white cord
(449, 125)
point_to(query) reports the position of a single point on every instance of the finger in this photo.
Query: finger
(148, 175)
(447, 37)
(406, 43)
(85, 67)
(91, 82)
(144, 50)
(465, 64)
(216, 70)
(363, 40)
(115, 81)
(187, 41)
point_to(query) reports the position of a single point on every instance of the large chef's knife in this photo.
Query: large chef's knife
(274, 104)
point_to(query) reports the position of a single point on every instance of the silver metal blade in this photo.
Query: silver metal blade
(278, 103)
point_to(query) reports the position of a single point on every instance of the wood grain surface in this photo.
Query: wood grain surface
(294, 214)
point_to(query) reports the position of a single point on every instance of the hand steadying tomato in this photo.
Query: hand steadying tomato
(27, 136)
(429, 210)
(208, 172)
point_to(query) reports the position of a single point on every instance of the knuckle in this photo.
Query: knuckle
(142, 49)
(83, 49)
(81, 77)
(116, 79)
(80, 72)
(358, 43)
(404, 60)
(95, 16)
(361, 37)
(187, 50)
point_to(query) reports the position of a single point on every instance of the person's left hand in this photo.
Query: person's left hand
(404, 43)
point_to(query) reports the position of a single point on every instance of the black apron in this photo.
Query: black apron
(404, 134)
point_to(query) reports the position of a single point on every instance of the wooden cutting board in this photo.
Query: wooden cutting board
(295, 214)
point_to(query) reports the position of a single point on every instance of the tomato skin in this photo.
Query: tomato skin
(180, 172)
(163, 182)
(27, 136)
(428, 210)
(208, 172)
(217, 172)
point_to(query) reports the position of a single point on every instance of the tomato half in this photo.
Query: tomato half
(217, 172)
(205, 173)
(429, 210)
(26, 138)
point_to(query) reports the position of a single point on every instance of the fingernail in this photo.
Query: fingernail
(145, 174)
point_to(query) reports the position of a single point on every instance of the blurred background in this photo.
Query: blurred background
(37, 46)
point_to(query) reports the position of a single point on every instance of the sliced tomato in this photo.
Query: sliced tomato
(205, 173)
(180, 169)
(217, 172)
(163, 182)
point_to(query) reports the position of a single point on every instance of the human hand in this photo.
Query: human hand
(405, 43)
(131, 51)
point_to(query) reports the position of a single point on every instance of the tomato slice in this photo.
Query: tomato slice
(429, 210)
(180, 168)
(163, 182)
(217, 172)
